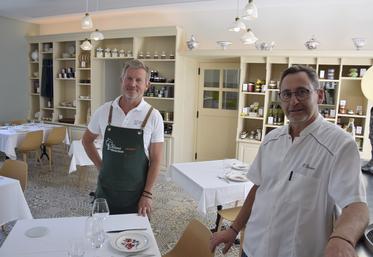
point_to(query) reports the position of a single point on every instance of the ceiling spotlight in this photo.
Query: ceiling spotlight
(250, 11)
(359, 42)
(192, 43)
(86, 45)
(248, 38)
(97, 35)
(237, 25)
(224, 44)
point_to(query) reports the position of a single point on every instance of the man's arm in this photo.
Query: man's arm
(348, 230)
(228, 236)
(90, 148)
(155, 156)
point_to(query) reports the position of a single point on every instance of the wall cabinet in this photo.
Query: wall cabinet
(259, 107)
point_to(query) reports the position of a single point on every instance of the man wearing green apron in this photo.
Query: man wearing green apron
(132, 133)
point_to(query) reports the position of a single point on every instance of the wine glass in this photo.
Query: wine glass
(100, 209)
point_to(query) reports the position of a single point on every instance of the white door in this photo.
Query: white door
(218, 92)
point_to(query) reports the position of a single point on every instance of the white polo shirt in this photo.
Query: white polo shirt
(299, 182)
(153, 131)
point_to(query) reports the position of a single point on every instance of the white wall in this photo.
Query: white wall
(14, 100)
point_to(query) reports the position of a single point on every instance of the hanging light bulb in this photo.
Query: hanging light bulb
(86, 22)
(237, 25)
(248, 38)
(86, 45)
(250, 11)
(97, 35)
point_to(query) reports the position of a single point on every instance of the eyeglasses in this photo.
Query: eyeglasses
(301, 94)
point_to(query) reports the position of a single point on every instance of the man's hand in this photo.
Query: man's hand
(337, 247)
(145, 206)
(226, 236)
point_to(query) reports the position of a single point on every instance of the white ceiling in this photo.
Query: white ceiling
(287, 22)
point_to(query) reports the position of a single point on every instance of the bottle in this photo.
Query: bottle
(351, 127)
(280, 115)
(270, 115)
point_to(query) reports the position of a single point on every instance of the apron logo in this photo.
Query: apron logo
(112, 147)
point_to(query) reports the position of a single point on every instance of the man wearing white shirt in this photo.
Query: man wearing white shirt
(132, 145)
(302, 170)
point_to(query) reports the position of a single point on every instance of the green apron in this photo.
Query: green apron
(124, 169)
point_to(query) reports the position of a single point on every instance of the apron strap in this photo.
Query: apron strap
(110, 113)
(146, 118)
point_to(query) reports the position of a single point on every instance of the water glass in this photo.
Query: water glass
(76, 247)
(94, 232)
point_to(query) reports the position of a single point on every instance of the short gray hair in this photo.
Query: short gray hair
(135, 64)
(311, 74)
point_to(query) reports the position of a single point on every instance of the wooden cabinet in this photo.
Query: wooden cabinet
(259, 107)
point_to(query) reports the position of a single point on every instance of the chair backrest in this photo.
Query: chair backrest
(56, 136)
(17, 170)
(32, 141)
(17, 122)
(194, 242)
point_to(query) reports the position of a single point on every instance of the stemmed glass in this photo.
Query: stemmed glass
(94, 227)
(100, 209)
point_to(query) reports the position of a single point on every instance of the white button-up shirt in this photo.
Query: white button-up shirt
(300, 182)
(153, 131)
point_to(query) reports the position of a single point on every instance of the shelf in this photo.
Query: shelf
(72, 79)
(83, 68)
(251, 141)
(326, 105)
(272, 126)
(358, 136)
(66, 107)
(33, 62)
(112, 58)
(273, 89)
(35, 94)
(47, 108)
(33, 78)
(51, 52)
(328, 80)
(252, 117)
(158, 98)
(351, 78)
(351, 116)
(161, 83)
(81, 99)
(157, 60)
(84, 84)
(330, 119)
(168, 122)
(254, 93)
(65, 59)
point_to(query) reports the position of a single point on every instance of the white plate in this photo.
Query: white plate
(237, 177)
(130, 241)
(238, 166)
(36, 232)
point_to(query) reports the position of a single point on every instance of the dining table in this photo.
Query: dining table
(79, 156)
(13, 205)
(12, 136)
(207, 184)
(54, 235)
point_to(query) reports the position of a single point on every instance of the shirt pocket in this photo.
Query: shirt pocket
(303, 188)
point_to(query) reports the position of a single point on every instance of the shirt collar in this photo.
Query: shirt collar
(139, 107)
(311, 127)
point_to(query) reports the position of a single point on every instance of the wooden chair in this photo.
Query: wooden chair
(193, 243)
(55, 137)
(230, 214)
(31, 143)
(17, 122)
(17, 170)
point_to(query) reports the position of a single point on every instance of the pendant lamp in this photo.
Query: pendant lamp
(250, 11)
(86, 45)
(237, 25)
(86, 22)
(97, 35)
(248, 38)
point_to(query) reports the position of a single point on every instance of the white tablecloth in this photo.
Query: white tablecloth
(79, 156)
(13, 205)
(61, 230)
(12, 136)
(200, 180)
